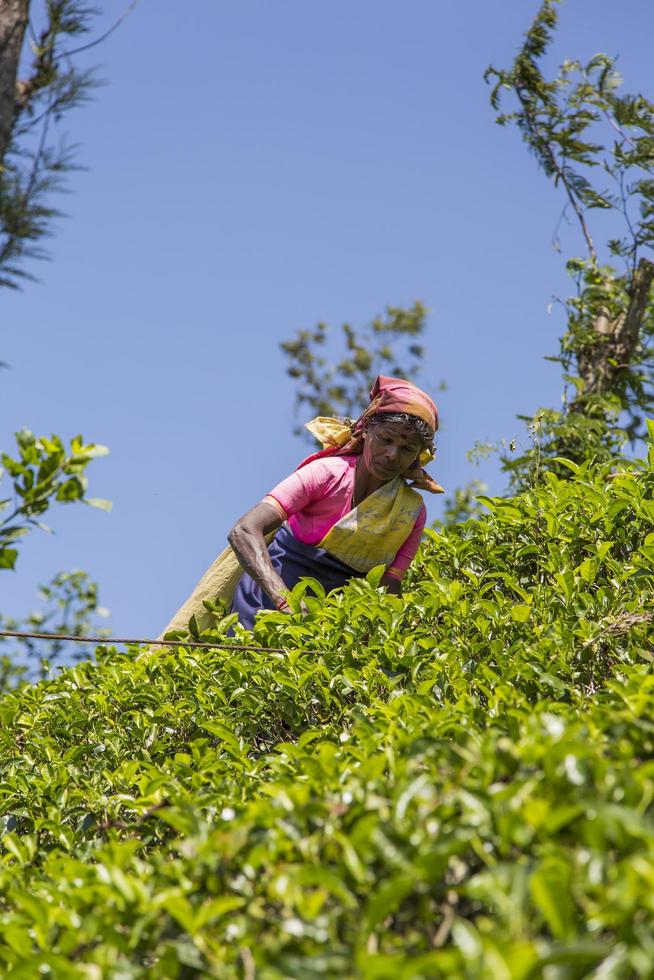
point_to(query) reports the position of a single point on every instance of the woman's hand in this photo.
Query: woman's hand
(393, 585)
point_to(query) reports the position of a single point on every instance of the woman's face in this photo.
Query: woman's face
(389, 449)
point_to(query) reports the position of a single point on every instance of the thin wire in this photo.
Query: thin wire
(109, 640)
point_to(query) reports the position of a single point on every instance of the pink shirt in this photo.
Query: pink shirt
(315, 498)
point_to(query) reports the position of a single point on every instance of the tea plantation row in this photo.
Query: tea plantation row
(455, 783)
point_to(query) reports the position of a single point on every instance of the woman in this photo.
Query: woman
(345, 509)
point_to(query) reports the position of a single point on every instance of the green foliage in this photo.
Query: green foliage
(463, 505)
(579, 127)
(71, 604)
(597, 146)
(386, 345)
(43, 472)
(452, 783)
(34, 165)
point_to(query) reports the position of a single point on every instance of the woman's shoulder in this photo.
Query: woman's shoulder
(329, 466)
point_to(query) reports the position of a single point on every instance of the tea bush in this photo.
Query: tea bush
(458, 782)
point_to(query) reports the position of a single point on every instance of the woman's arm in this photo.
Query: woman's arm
(247, 538)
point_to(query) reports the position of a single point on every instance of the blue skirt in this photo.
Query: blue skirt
(292, 560)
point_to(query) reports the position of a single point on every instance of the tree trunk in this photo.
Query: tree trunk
(628, 331)
(599, 363)
(13, 21)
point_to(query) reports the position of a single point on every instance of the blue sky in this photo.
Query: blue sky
(252, 168)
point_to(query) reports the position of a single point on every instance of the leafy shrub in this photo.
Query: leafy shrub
(43, 472)
(458, 782)
(71, 606)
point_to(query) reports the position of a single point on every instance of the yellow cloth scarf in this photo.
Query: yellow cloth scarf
(374, 531)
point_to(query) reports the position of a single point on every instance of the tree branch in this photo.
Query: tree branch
(629, 332)
(542, 142)
(600, 362)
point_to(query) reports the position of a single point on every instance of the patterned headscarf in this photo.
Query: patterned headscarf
(398, 395)
(388, 395)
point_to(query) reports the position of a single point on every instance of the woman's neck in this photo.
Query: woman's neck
(364, 483)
